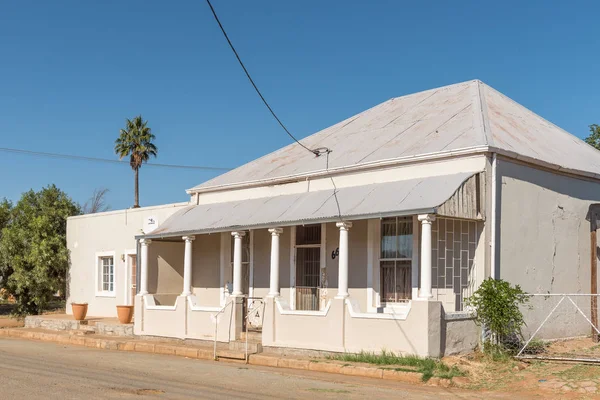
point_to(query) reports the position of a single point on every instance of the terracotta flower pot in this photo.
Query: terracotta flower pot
(125, 314)
(79, 311)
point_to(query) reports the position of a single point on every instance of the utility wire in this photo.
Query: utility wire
(337, 202)
(105, 160)
(315, 152)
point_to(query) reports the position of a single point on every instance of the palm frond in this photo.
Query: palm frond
(136, 141)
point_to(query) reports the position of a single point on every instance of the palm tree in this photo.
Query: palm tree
(135, 141)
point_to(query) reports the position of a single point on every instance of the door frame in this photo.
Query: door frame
(323, 283)
(128, 297)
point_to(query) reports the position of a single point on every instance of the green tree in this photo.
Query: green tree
(135, 142)
(594, 138)
(34, 259)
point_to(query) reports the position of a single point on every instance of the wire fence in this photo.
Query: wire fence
(558, 326)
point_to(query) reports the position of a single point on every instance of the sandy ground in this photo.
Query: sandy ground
(36, 370)
(6, 322)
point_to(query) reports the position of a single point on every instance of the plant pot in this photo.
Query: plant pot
(79, 311)
(125, 314)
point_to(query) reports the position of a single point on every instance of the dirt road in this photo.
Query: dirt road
(36, 370)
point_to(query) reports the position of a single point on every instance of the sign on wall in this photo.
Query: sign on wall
(150, 224)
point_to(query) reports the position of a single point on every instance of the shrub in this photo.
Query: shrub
(496, 306)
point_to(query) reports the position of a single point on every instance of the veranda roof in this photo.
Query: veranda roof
(406, 197)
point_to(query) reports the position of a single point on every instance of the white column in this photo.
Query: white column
(343, 260)
(187, 266)
(237, 263)
(144, 266)
(426, 220)
(274, 278)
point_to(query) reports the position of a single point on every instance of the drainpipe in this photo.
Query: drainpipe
(493, 224)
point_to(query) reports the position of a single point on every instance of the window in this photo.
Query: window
(308, 266)
(106, 274)
(396, 259)
(245, 262)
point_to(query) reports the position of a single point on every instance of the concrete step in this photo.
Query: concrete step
(239, 345)
(231, 354)
(252, 336)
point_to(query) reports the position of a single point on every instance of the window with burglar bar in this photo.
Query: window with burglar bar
(396, 259)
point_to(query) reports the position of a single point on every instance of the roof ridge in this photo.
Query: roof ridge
(482, 108)
(539, 117)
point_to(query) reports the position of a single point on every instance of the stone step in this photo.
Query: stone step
(239, 345)
(81, 332)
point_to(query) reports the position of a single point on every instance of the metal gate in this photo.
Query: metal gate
(253, 312)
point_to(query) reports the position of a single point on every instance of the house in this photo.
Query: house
(374, 243)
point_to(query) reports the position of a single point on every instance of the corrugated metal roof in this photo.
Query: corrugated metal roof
(401, 197)
(452, 118)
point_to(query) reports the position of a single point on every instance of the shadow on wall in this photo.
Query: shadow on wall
(165, 267)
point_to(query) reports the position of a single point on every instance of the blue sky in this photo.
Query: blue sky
(72, 71)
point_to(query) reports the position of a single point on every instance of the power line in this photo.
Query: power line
(315, 152)
(105, 160)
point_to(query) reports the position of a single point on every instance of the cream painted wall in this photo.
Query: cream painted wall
(112, 231)
(165, 267)
(262, 262)
(543, 238)
(206, 269)
(416, 170)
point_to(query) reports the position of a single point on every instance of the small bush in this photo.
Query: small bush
(496, 305)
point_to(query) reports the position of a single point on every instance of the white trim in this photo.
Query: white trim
(130, 210)
(222, 263)
(97, 269)
(377, 263)
(415, 258)
(192, 302)
(293, 267)
(371, 302)
(323, 278)
(493, 222)
(128, 298)
(284, 311)
(391, 314)
(251, 266)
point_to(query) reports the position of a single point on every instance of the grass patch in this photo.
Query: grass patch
(428, 367)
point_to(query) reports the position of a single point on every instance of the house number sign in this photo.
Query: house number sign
(335, 253)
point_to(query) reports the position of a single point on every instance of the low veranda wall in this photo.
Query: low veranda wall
(187, 320)
(340, 328)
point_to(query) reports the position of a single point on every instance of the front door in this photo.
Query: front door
(133, 269)
(308, 267)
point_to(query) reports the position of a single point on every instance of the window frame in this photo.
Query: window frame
(98, 260)
(413, 260)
